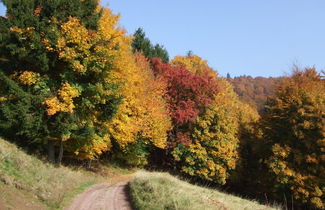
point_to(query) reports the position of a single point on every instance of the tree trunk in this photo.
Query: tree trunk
(51, 152)
(60, 153)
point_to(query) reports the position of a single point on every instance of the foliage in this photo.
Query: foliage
(205, 135)
(212, 153)
(254, 91)
(294, 127)
(187, 93)
(72, 78)
(142, 44)
(141, 120)
(19, 113)
(194, 64)
(250, 176)
(61, 53)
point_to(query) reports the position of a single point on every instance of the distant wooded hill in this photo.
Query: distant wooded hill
(254, 91)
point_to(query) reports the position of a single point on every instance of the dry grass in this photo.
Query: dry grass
(163, 191)
(42, 180)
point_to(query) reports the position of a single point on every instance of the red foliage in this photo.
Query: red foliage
(187, 94)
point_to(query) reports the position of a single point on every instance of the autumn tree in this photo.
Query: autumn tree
(194, 64)
(212, 153)
(141, 122)
(294, 128)
(204, 111)
(56, 63)
(186, 94)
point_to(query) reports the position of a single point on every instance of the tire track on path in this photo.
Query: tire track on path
(104, 196)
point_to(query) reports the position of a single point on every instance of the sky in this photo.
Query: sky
(239, 37)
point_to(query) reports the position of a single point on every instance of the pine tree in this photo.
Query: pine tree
(142, 44)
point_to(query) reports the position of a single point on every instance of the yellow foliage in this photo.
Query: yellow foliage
(53, 105)
(142, 112)
(298, 136)
(28, 77)
(3, 99)
(194, 64)
(213, 151)
(16, 29)
(66, 93)
(98, 146)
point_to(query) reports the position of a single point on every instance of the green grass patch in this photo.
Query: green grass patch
(45, 182)
(72, 193)
(153, 190)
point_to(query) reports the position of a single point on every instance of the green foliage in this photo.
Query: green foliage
(19, 112)
(134, 154)
(295, 131)
(142, 44)
(250, 176)
(56, 69)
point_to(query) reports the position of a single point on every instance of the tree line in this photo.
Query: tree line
(75, 85)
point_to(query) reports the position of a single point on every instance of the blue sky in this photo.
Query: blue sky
(251, 37)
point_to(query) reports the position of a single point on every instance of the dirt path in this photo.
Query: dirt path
(103, 196)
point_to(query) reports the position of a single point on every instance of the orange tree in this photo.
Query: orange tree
(294, 127)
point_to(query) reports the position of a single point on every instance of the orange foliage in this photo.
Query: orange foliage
(294, 124)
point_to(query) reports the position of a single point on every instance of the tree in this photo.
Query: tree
(228, 76)
(142, 44)
(204, 110)
(294, 129)
(141, 122)
(194, 64)
(212, 152)
(59, 55)
(187, 94)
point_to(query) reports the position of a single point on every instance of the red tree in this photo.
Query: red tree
(187, 95)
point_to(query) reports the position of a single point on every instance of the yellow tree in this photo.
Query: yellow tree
(194, 64)
(141, 121)
(294, 127)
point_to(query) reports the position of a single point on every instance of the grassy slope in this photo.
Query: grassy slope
(163, 191)
(29, 183)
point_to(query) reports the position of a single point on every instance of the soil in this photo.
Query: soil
(11, 198)
(104, 196)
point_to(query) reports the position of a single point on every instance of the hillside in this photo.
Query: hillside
(163, 191)
(29, 183)
(254, 91)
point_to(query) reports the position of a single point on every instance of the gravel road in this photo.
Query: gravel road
(103, 196)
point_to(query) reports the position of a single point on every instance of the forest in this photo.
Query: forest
(75, 87)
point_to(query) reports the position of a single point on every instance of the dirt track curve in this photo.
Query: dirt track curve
(103, 196)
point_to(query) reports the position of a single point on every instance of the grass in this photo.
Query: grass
(153, 190)
(38, 181)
